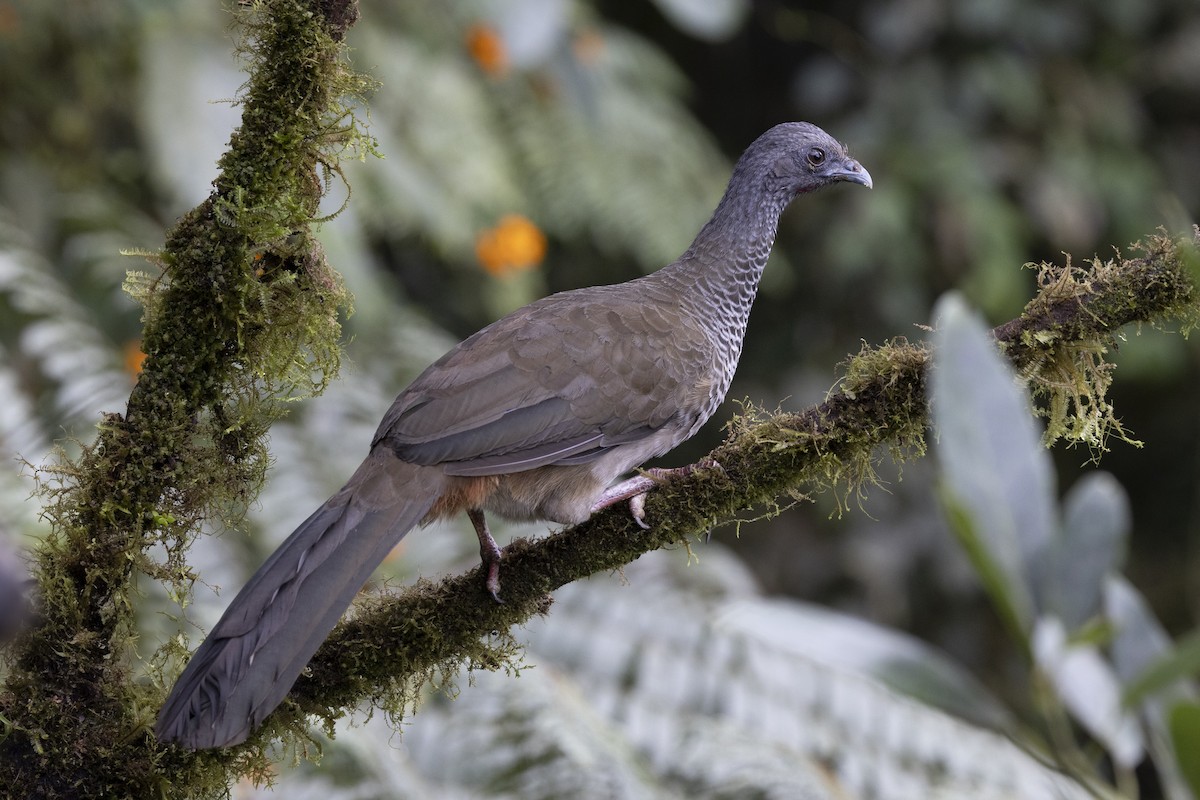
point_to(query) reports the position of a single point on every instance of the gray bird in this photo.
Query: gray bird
(532, 418)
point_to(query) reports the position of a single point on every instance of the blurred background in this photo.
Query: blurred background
(531, 146)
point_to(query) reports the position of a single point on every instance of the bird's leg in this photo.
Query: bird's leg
(634, 489)
(489, 552)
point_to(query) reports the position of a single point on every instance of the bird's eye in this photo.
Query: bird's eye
(816, 157)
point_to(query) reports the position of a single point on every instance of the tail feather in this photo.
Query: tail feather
(250, 660)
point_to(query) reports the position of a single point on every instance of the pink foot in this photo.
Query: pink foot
(634, 489)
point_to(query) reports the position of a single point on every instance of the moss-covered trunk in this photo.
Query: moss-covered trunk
(245, 310)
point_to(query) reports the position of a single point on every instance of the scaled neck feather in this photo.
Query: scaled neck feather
(720, 271)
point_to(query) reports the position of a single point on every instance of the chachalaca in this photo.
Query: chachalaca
(532, 418)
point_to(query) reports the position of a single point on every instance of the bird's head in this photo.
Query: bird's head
(799, 157)
(790, 159)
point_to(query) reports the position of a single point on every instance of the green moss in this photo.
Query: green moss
(424, 645)
(1061, 342)
(834, 446)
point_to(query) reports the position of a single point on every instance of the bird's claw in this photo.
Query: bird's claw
(493, 576)
(637, 509)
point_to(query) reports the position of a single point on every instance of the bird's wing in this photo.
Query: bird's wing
(558, 382)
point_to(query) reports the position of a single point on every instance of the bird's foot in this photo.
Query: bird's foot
(489, 553)
(634, 489)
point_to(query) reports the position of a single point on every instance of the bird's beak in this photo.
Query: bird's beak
(853, 172)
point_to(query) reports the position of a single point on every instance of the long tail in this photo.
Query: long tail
(249, 662)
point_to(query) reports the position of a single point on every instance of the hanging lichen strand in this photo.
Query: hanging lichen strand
(244, 313)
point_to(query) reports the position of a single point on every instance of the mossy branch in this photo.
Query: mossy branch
(1058, 344)
(396, 643)
(243, 313)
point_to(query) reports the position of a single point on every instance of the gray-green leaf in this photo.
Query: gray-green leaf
(996, 476)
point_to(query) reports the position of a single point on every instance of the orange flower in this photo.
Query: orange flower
(133, 357)
(514, 244)
(487, 48)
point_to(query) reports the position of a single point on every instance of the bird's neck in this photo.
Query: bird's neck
(720, 272)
